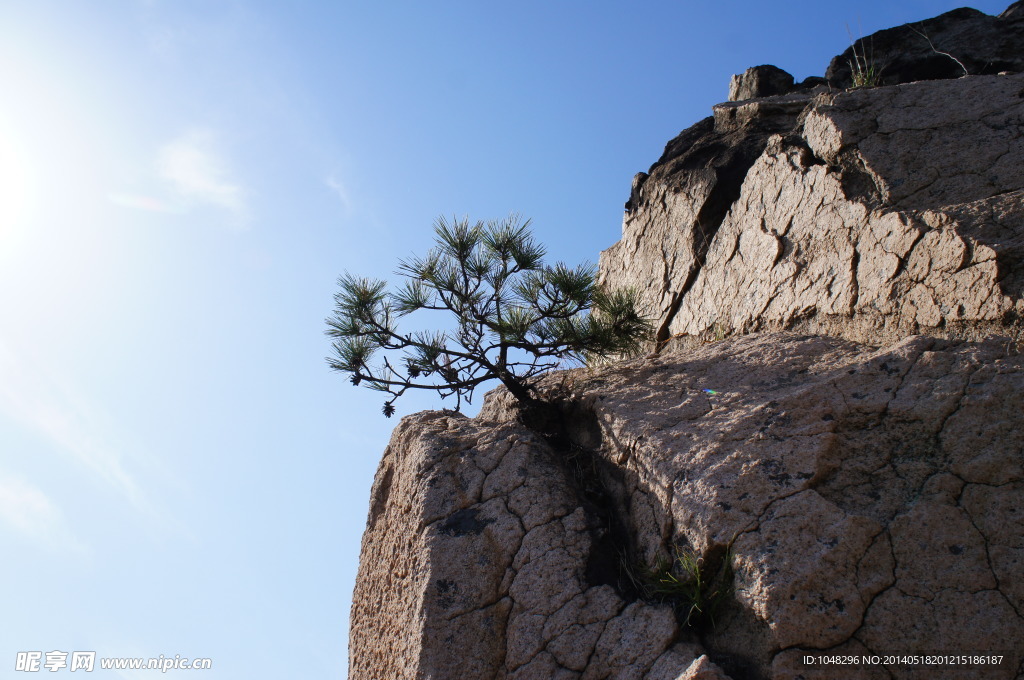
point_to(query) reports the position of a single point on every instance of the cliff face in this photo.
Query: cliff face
(880, 213)
(476, 563)
(870, 214)
(831, 435)
(868, 500)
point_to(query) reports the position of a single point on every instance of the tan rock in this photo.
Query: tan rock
(680, 655)
(888, 213)
(474, 565)
(703, 669)
(865, 499)
(759, 81)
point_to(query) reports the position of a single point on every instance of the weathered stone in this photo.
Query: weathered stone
(703, 669)
(475, 564)
(832, 464)
(890, 213)
(921, 153)
(430, 486)
(675, 211)
(998, 514)
(799, 571)
(864, 498)
(631, 642)
(760, 81)
(680, 655)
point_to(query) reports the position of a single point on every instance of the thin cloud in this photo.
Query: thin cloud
(45, 404)
(335, 185)
(197, 171)
(28, 510)
(25, 508)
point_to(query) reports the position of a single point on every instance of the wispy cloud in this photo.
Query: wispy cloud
(335, 185)
(24, 507)
(46, 404)
(28, 510)
(196, 169)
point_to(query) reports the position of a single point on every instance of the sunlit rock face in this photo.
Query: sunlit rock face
(476, 563)
(864, 498)
(872, 214)
(830, 426)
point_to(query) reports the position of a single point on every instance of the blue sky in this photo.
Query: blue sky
(181, 183)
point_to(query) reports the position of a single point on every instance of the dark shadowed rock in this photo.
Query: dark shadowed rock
(982, 45)
(1014, 12)
(811, 82)
(634, 192)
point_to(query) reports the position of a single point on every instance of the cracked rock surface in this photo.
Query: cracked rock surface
(474, 565)
(871, 497)
(871, 214)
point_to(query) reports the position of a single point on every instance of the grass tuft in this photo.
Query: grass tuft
(863, 70)
(695, 589)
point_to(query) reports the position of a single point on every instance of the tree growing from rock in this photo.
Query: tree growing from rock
(514, 317)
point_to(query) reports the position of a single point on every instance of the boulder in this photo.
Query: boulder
(760, 81)
(677, 207)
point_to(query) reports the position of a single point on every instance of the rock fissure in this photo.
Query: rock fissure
(1017, 608)
(901, 266)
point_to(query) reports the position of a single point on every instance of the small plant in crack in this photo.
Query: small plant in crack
(864, 72)
(717, 332)
(696, 589)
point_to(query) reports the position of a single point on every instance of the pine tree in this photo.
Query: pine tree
(515, 317)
